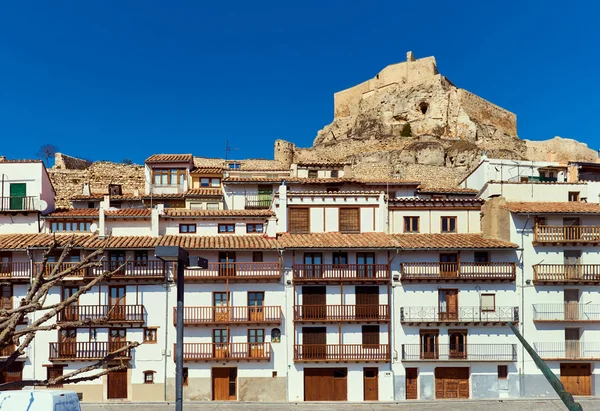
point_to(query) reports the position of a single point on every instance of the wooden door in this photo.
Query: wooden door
(314, 340)
(367, 302)
(70, 312)
(6, 293)
(452, 382)
(12, 373)
(255, 306)
(227, 266)
(365, 264)
(571, 227)
(572, 264)
(221, 304)
(220, 343)
(572, 342)
(458, 344)
(449, 265)
(224, 384)
(67, 343)
(371, 384)
(325, 384)
(256, 343)
(117, 338)
(314, 303)
(448, 304)
(5, 263)
(117, 384)
(576, 378)
(117, 304)
(571, 304)
(412, 392)
(429, 344)
(117, 259)
(312, 265)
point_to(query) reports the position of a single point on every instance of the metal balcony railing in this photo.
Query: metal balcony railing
(462, 314)
(459, 352)
(568, 350)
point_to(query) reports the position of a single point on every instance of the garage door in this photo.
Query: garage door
(325, 384)
(452, 382)
(576, 378)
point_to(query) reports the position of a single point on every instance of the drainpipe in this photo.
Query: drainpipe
(166, 334)
(391, 327)
(32, 351)
(522, 309)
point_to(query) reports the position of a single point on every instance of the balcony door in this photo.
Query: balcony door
(429, 344)
(256, 300)
(221, 306)
(67, 343)
(227, 266)
(571, 305)
(366, 265)
(367, 302)
(18, 192)
(572, 264)
(140, 262)
(340, 263)
(220, 343)
(117, 338)
(458, 344)
(5, 263)
(314, 303)
(571, 227)
(314, 343)
(449, 265)
(312, 265)
(117, 259)
(71, 312)
(448, 304)
(256, 343)
(572, 347)
(117, 304)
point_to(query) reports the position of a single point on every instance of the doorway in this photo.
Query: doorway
(572, 343)
(314, 303)
(367, 302)
(448, 304)
(571, 305)
(224, 384)
(117, 304)
(411, 383)
(449, 265)
(576, 378)
(371, 384)
(117, 384)
(314, 340)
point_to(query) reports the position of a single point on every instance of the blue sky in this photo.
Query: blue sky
(125, 79)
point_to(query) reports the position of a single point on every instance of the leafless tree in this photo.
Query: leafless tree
(47, 151)
(14, 333)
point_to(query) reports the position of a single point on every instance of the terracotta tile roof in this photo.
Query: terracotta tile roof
(536, 182)
(333, 180)
(222, 242)
(100, 197)
(20, 161)
(333, 193)
(447, 190)
(254, 179)
(74, 213)
(164, 196)
(204, 192)
(323, 164)
(389, 181)
(207, 170)
(129, 212)
(336, 240)
(183, 213)
(416, 202)
(449, 241)
(170, 158)
(23, 241)
(565, 207)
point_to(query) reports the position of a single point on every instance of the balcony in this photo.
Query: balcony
(258, 203)
(226, 352)
(464, 315)
(460, 352)
(548, 234)
(15, 271)
(239, 272)
(332, 273)
(132, 270)
(458, 272)
(221, 315)
(9, 350)
(569, 312)
(566, 273)
(17, 204)
(341, 353)
(85, 351)
(113, 314)
(568, 350)
(341, 313)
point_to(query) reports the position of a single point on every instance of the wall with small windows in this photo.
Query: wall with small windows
(434, 221)
(204, 204)
(540, 192)
(211, 227)
(121, 227)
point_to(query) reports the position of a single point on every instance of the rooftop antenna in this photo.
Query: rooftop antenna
(228, 149)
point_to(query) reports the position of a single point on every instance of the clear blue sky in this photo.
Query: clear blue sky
(125, 79)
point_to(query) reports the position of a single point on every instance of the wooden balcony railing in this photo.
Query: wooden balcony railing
(226, 351)
(112, 313)
(460, 352)
(566, 234)
(258, 203)
(341, 313)
(341, 272)
(566, 312)
(229, 315)
(8, 350)
(131, 269)
(82, 351)
(341, 352)
(15, 270)
(17, 203)
(566, 273)
(568, 350)
(235, 271)
(467, 271)
(467, 315)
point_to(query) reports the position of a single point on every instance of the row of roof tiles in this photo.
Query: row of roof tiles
(146, 213)
(258, 242)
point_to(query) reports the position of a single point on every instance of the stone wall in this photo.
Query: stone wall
(559, 149)
(65, 162)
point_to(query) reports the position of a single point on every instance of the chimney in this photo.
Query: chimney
(3, 158)
(281, 211)
(86, 189)
(101, 225)
(136, 192)
(410, 56)
(155, 219)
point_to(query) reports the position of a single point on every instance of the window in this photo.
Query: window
(335, 173)
(256, 336)
(502, 372)
(70, 226)
(411, 224)
(150, 336)
(6, 297)
(573, 195)
(458, 344)
(204, 182)
(140, 258)
(210, 182)
(481, 257)
(448, 224)
(256, 298)
(220, 336)
(91, 204)
(257, 257)
(313, 174)
(215, 182)
(299, 222)
(53, 372)
(349, 220)
(226, 228)
(212, 206)
(168, 177)
(185, 376)
(340, 258)
(370, 335)
(149, 377)
(234, 166)
(488, 302)
(187, 228)
(254, 228)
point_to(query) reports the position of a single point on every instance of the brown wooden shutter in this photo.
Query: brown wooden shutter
(349, 220)
(370, 335)
(298, 220)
